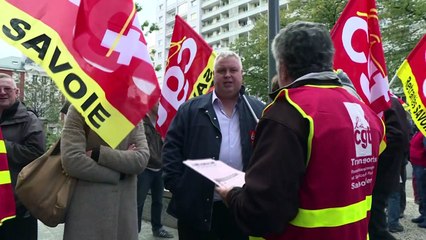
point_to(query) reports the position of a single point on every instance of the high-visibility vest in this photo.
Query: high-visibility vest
(344, 143)
(7, 200)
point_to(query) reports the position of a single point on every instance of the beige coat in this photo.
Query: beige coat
(103, 207)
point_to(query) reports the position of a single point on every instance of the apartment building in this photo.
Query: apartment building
(219, 22)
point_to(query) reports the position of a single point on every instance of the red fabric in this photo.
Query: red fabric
(417, 61)
(7, 200)
(188, 59)
(359, 52)
(334, 166)
(417, 150)
(129, 83)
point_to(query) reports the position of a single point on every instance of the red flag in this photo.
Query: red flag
(189, 72)
(413, 77)
(359, 52)
(95, 52)
(7, 200)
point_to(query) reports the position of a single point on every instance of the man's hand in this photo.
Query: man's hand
(222, 191)
(132, 147)
(89, 153)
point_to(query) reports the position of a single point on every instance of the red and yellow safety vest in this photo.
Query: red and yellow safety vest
(7, 200)
(345, 140)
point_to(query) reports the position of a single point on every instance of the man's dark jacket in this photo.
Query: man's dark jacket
(397, 144)
(155, 144)
(195, 134)
(25, 141)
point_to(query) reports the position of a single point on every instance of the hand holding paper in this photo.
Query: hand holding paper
(218, 172)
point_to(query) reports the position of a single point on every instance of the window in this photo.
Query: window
(182, 9)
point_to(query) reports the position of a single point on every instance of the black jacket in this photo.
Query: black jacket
(397, 145)
(195, 134)
(155, 144)
(25, 141)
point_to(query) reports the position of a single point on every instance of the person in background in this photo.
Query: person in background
(304, 182)
(218, 125)
(151, 178)
(24, 139)
(418, 161)
(103, 205)
(388, 171)
(396, 200)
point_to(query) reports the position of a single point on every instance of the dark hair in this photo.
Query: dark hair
(304, 47)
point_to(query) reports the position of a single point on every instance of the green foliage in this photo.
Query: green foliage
(44, 98)
(255, 58)
(403, 23)
(148, 28)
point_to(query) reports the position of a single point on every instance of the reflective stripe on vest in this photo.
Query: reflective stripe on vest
(4, 174)
(4, 177)
(333, 217)
(2, 146)
(7, 208)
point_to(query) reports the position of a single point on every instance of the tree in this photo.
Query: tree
(402, 24)
(43, 98)
(254, 55)
(253, 48)
(148, 28)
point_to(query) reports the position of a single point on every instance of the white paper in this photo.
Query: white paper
(218, 172)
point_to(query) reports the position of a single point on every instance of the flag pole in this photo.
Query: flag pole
(251, 109)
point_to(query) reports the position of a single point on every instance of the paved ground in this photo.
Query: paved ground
(47, 233)
(411, 232)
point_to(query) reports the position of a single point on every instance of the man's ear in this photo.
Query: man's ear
(17, 91)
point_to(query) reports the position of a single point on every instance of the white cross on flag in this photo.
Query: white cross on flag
(96, 54)
(110, 40)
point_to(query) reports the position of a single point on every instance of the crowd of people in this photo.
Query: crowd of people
(318, 162)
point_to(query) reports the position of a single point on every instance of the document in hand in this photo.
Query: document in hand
(218, 172)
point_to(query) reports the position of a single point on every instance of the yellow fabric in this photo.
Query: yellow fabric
(4, 177)
(412, 88)
(2, 146)
(5, 219)
(106, 129)
(332, 217)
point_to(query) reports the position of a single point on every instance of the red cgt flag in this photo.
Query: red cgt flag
(359, 52)
(413, 77)
(189, 72)
(95, 52)
(7, 200)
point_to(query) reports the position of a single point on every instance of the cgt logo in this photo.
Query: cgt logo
(362, 132)
(363, 137)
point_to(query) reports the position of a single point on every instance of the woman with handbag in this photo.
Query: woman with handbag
(103, 205)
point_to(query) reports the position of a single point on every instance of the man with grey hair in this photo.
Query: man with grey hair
(25, 141)
(315, 153)
(217, 125)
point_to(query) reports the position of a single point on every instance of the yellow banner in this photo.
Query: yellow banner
(44, 46)
(205, 79)
(411, 91)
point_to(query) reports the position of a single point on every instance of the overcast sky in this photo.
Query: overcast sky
(147, 13)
